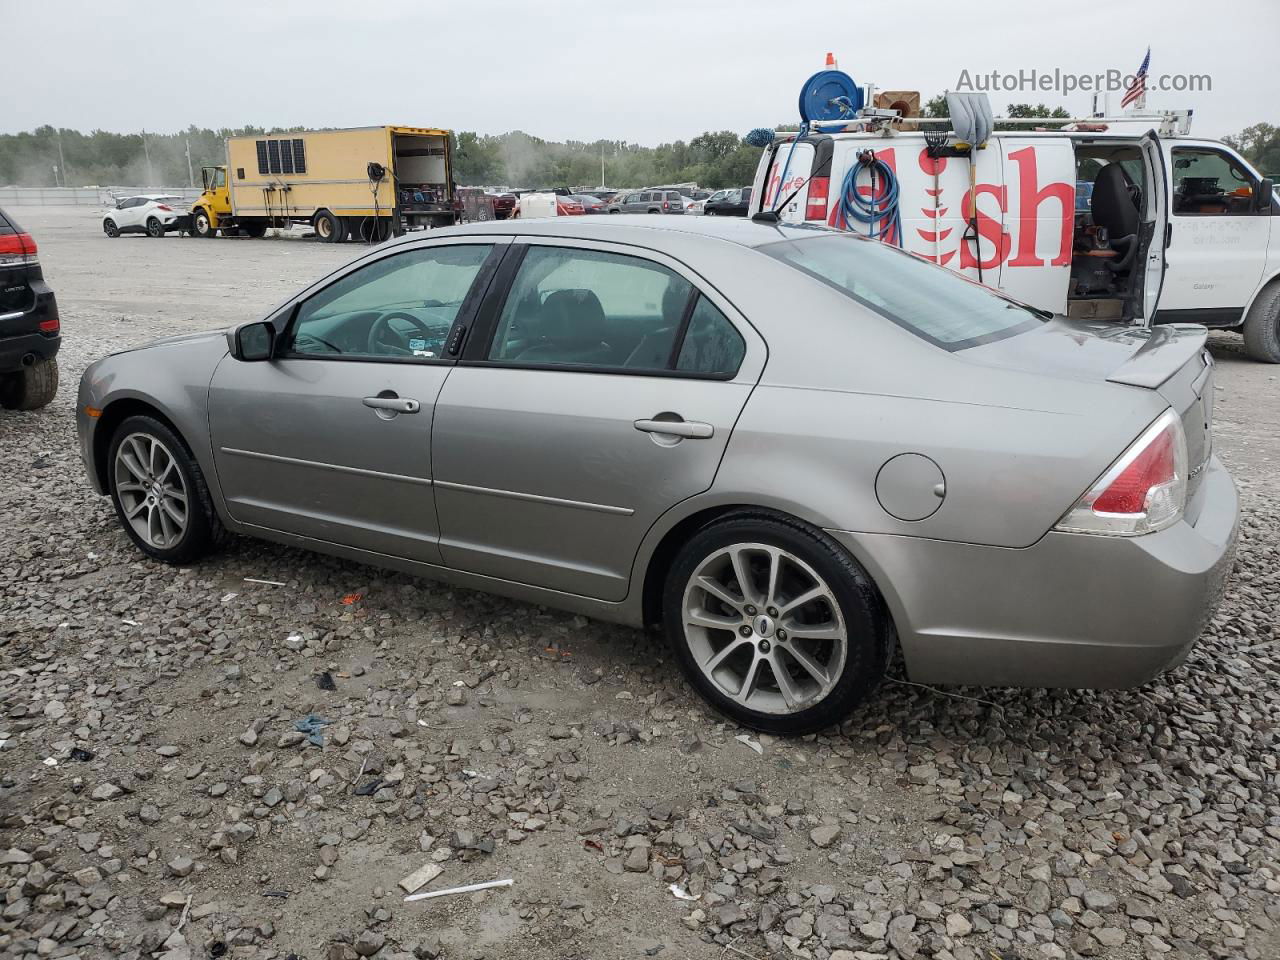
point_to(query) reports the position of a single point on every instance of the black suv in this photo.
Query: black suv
(29, 325)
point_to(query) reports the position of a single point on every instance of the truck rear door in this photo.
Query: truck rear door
(785, 166)
(1038, 191)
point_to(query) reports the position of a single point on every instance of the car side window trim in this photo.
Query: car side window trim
(471, 303)
(476, 350)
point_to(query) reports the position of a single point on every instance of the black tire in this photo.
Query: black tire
(868, 626)
(31, 387)
(377, 229)
(154, 227)
(710, 213)
(255, 230)
(110, 229)
(1262, 326)
(201, 225)
(329, 228)
(204, 531)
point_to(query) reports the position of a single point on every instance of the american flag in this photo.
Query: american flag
(1137, 89)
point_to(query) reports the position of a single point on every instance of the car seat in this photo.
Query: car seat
(1114, 208)
(570, 328)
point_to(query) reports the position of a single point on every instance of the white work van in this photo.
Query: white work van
(1127, 221)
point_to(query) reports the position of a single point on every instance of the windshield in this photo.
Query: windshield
(929, 301)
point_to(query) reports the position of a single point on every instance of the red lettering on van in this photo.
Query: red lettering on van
(990, 229)
(1030, 197)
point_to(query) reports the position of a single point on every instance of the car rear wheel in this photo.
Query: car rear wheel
(110, 229)
(774, 623)
(154, 227)
(159, 492)
(1262, 326)
(202, 226)
(31, 387)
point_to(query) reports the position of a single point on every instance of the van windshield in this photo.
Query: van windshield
(929, 301)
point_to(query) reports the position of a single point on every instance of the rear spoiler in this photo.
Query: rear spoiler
(1167, 350)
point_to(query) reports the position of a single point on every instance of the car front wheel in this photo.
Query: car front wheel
(159, 492)
(775, 624)
(110, 229)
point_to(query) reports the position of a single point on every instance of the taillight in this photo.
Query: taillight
(1142, 492)
(665, 205)
(816, 206)
(17, 249)
(161, 206)
(51, 325)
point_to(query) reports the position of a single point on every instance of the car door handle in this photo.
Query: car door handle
(394, 404)
(687, 429)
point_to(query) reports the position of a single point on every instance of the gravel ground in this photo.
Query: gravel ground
(156, 798)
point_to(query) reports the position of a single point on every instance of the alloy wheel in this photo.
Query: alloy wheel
(764, 628)
(151, 490)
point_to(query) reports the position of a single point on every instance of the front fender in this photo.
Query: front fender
(168, 379)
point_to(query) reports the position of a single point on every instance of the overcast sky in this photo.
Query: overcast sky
(645, 71)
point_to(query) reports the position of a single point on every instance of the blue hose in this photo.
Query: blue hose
(879, 211)
(786, 167)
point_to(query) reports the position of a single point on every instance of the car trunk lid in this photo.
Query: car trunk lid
(1170, 359)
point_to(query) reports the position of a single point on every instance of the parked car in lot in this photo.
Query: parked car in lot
(650, 201)
(698, 206)
(734, 203)
(153, 214)
(793, 448)
(30, 329)
(589, 203)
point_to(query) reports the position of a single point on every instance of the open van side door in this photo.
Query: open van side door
(1155, 230)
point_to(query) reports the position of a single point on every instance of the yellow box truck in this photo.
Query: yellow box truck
(363, 183)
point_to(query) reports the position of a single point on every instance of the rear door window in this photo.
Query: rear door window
(611, 312)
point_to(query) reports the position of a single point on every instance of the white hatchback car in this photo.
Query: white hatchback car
(153, 214)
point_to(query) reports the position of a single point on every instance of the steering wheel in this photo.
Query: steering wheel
(383, 324)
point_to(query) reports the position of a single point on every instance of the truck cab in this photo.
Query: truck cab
(213, 204)
(1130, 221)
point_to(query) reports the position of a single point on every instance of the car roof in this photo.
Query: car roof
(639, 229)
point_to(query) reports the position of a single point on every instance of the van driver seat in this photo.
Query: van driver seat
(1113, 207)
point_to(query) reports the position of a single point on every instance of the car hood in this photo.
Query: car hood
(1096, 350)
(177, 338)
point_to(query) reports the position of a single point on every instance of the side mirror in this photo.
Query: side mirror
(1263, 194)
(119, 204)
(253, 341)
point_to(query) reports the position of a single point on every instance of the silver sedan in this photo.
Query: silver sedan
(792, 449)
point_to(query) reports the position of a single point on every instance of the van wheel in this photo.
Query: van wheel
(329, 229)
(155, 228)
(110, 229)
(774, 623)
(159, 492)
(202, 226)
(1262, 326)
(31, 387)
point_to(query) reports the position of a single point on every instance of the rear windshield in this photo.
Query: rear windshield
(930, 301)
(7, 225)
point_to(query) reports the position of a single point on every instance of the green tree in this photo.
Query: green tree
(1260, 145)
